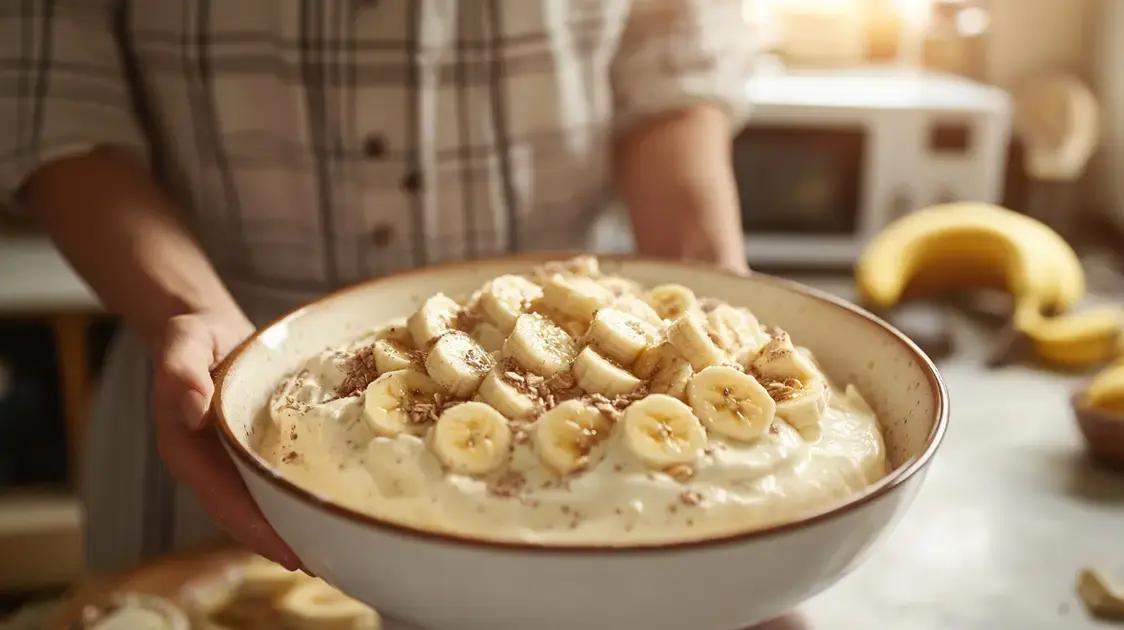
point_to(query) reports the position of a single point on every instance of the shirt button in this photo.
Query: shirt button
(412, 182)
(374, 146)
(382, 235)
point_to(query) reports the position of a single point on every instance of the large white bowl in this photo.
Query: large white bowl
(442, 582)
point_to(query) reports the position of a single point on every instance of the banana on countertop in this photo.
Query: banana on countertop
(1074, 340)
(388, 400)
(472, 438)
(663, 432)
(1106, 390)
(731, 403)
(564, 436)
(314, 605)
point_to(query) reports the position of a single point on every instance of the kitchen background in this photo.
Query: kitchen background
(1043, 76)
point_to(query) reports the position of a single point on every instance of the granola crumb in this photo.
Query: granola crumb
(360, 371)
(681, 472)
(690, 498)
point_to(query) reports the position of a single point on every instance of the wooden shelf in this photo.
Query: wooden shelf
(40, 539)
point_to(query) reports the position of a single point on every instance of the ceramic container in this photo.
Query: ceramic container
(441, 582)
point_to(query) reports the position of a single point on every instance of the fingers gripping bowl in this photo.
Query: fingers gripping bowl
(465, 548)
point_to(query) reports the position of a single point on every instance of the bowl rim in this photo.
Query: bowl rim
(897, 477)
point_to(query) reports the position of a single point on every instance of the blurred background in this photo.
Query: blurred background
(865, 110)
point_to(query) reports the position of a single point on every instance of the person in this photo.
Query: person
(207, 166)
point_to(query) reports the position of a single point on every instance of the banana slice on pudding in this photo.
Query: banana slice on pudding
(314, 605)
(598, 375)
(736, 330)
(731, 403)
(666, 370)
(778, 359)
(391, 356)
(500, 390)
(472, 438)
(801, 405)
(575, 296)
(672, 301)
(564, 436)
(690, 337)
(388, 401)
(506, 298)
(435, 318)
(457, 364)
(620, 336)
(489, 337)
(662, 431)
(539, 346)
(636, 306)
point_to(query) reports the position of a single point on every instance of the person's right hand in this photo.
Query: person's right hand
(190, 347)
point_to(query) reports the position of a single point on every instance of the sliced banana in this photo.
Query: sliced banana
(506, 298)
(398, 331)
(803, 409)
(731, 403)
(620, 336)
(432, 320)
(672, 301)
(142, 612)
(666, 370)
(498, 391)
(457, 364)
(564, 436)
(391, 355)
(736, 329)
(388, 400)
(598, 375)
(584, 265)
(637, 307)
(691, 338)
(621, 286)
(472, 438)
(489, 337)
(259, 577)
(575, 296)
(314, 605)
(778, 360)
(662, 431)
(539, 346)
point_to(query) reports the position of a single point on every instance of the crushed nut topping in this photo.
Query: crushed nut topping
(360, 371)
(681, 472)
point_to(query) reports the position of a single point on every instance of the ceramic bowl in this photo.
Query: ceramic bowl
(443, 582)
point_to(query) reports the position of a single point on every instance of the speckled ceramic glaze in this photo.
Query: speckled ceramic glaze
(440, 582)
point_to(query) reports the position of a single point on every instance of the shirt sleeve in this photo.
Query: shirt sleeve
(64, 86)
(677, 53)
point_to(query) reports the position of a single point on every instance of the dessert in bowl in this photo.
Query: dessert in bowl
(513, 444)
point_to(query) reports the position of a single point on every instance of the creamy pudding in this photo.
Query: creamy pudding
(569, 406)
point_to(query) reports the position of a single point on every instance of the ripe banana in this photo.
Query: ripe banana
(665, 369)
(731, 403)
(397, 330)
(638, 308)
(736, 330)
(387, 401)
(672, 301)
(505, 298)
(564, 436)
(457, 364)
(259, 577)
(662, 432)
(778, 360)
(539, 346)
(1106, 390)
(432, 320)
(962, 245)
(500, 393)
(620, 336)
(690, 337)
(803, 409)
(391, 356)
(489, 337)
(575, 296)
(597, 375)
(472, 439)
(314, 605)
(1072, 340)
(621, 286)
(142, 612)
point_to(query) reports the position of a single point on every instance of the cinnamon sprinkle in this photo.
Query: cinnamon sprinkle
(360, 372)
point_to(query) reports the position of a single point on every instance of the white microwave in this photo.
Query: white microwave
(830, 157)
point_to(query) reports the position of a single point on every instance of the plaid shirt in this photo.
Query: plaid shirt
(314, 143)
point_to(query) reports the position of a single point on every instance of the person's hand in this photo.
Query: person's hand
(190, 347)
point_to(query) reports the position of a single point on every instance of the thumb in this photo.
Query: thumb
(183, 384)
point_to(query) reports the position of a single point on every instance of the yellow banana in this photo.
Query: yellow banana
(1073, 340)
(961, 245)
(1106, 390)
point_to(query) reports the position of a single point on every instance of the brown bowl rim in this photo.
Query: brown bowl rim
(871, 493)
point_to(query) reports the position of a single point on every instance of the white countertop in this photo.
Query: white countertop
(35, 279)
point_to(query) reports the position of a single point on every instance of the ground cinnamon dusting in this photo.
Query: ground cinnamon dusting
(360, 372)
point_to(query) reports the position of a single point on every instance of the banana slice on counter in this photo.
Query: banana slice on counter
(391, 356)
(472, 438)
(597, 375)
(539, 346)
(314, 605)
(620, 336)
(575, 296)
(142, 612)
(564, 436)
(736, 330)
(672, 301)
(662, 431)
(690, 337)
(506, 298)
(497, 391)
(731, 403)
(804, 408)
(638, 308)
(489, 337)
(778, 359)
(435, 318)
(666, 370)
(388, 400)
(260, 577)
(457, 364)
